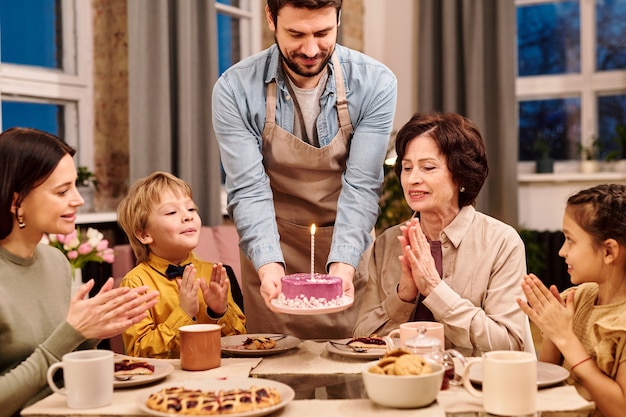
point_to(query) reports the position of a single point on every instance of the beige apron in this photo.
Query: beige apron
(306, 182)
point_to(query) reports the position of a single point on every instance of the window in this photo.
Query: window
(45, 69)
(238, 36)
(571, 81)
(239, 31)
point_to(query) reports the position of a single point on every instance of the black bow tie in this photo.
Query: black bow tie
(175, 271)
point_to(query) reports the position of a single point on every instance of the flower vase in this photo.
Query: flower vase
(77, 279)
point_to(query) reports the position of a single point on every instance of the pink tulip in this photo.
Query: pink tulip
(108, 257)
(72, 254)
(102, 245)
(85, 248)
(67, 238)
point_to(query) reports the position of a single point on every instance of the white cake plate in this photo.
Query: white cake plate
(346, 302)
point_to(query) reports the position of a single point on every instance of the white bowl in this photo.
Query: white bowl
(403, 391)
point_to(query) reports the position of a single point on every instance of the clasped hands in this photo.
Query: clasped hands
(419, 272)
(545, 307)
(215, 292)
(270, 276)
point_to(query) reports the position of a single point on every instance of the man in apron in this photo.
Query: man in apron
(303, 129)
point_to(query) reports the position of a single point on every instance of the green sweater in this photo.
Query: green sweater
(34, 300)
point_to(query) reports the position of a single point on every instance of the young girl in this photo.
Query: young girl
(584, 328)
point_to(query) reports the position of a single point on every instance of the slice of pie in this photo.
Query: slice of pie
(133, 367)
(368, 342)
(256, 343)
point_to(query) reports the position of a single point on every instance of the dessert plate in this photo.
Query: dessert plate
(233, 345)
(162, 368)
(286, 393)
(346, 351)
(548, 374)
(345, 303)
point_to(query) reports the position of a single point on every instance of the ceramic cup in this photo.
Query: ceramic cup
(88, 378)
(409, 330)
(200, 347)
(509, 382)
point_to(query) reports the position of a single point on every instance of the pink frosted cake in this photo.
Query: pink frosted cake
(306, 291)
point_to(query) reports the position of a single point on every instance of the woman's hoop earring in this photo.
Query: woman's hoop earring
(20, 222)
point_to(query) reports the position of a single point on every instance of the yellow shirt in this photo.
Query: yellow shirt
(157, 335)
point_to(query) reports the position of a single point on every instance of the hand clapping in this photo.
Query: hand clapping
(109, 312)
(215, 293)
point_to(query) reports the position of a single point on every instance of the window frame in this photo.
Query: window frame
(588, 84)
(250, 13)
(71, 87)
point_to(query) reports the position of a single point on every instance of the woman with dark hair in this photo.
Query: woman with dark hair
(449, 263)
(39, 320)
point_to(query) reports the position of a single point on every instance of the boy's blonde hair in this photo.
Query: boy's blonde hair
(134, 210)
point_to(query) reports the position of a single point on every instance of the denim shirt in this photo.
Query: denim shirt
(238, 120)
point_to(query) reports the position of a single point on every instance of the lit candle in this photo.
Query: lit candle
(312, 250)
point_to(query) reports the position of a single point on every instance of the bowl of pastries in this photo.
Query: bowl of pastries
(401, 379)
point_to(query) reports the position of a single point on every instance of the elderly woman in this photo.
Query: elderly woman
(449, 263)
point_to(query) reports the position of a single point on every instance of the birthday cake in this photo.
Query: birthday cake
(310, 291)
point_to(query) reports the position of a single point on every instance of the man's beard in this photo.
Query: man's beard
(305, 71)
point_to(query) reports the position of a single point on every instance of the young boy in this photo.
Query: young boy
(163, 226)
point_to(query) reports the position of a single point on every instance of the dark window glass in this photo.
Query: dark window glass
(48, 117)
(548, 39)
(611, 35)
(30, 33)
(612, 121)
(554, 124)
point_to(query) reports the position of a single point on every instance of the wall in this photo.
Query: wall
(390, 36)
(111, 154)
(542, 197)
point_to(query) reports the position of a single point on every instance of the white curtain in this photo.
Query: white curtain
(172, 69)
(467, 66)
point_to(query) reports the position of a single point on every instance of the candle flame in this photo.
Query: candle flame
(313, 229)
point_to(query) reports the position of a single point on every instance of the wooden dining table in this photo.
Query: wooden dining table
(324, 382)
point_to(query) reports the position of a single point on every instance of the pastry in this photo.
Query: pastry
(401, 362)
(368, 342)
(133, 367)
(239, 400)
(178, 400)
(255, 343)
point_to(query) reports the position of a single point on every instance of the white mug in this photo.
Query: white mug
(409, 330)
(88, 377)
(509, 382)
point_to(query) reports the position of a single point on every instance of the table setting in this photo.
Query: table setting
(310, 367)
(261, 374)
